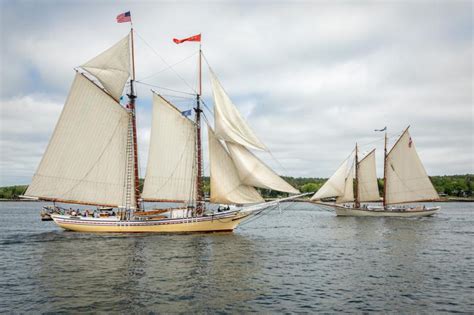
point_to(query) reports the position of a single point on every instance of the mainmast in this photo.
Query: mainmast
(385, 171)
(131, 105)
(199, 192)
(356, 196)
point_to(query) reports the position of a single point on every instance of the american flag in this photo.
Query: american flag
(124, 17)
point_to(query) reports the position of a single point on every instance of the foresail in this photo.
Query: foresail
(86, 159)
(112, 67)
(229, 124)
(334, 187)
(226, 186)
(348, 195)
(406, 177)
(253, 172)
(170, 174)
(368, 187)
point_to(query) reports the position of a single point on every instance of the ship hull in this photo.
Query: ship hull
(405, 213)
(214, 223)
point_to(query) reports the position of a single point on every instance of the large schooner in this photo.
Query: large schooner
(405, 181)
(92, 157)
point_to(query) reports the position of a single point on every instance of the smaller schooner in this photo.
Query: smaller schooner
(355, 186)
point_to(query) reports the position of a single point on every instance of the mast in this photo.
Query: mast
(199, 192)
(385, 171)
(356, 197)
(131, 105)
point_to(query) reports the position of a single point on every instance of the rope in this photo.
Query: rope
(164, 61)
(166, 68)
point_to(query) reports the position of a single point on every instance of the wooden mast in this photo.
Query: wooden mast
(356, 203)
(385, 172)
(131, 105)
(199, 192)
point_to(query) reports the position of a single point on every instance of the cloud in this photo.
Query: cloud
(311, 78)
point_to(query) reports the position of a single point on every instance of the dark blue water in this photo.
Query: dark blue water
(303, 260)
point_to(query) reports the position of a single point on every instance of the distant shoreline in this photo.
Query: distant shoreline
(452, 199)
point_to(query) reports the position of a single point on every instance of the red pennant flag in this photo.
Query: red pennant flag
(195, 38)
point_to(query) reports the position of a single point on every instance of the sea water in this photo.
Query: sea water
(300, 259)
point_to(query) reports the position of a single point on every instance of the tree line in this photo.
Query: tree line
(449, 185)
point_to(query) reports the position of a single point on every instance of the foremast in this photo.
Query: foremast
(385, 171)
(131, 106)
(356, 194)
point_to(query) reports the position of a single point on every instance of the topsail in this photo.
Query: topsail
(112, 67)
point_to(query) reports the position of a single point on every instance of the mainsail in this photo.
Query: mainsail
(112, 67)
(335, 185)
(226, 186)
(367, 185)
(348, 195)
(171, 172)
(253, 172)
(229, 124)
(406, 178)
(86, 158)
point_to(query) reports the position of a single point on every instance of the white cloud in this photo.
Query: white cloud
(310, 77)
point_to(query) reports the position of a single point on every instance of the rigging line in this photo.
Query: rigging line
(163, 88)
(166, 68)
(164, 61)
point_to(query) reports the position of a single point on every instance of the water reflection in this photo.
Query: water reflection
(83, 271)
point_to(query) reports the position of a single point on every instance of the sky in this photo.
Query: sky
(311, 78)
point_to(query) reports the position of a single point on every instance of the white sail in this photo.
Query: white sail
(86, 159)
(253, 172)
(348, 195)
(229, 124)
(112, 67)
(406, 177)
(368, 188)
(334, 187)
(170, 174)
(226, 186)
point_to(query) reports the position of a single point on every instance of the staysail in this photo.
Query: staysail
(406, 178)
(86, 158)
(112, 67)
(253, 172)
(367, 185)
(170, 174)
(229, 124)
(348, 195)
(226, 186)
(335, 185)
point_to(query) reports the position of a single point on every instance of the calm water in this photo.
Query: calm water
(303, 260)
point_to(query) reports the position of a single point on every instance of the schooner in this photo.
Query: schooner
(405, 181)
(92, 157)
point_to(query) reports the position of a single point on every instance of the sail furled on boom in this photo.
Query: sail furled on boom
(229, 124)
(170, 174)
(112, 67)
(253, 172)
(406, 177)
(86, 158)
(335, 185)
(348, 195)
(367, 185)
(226, 185)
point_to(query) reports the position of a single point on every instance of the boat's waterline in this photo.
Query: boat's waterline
(215, 223)
(343, 211)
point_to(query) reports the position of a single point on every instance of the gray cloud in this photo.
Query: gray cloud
(312, 78)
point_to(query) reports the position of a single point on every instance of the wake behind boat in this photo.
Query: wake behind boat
(92, 157)
(405, 181)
